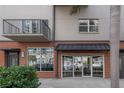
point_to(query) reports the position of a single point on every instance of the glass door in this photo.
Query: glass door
(67, 66)
(87, 67)
(77, 66)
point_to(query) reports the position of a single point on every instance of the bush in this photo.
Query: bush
(18, 77)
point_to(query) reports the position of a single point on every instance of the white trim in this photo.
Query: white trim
(61, 66)
(91, 63)
(104, 67)
(73, 66)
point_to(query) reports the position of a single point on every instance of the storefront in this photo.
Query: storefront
(83, 66)
(83, 60)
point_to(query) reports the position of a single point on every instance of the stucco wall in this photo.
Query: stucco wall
(67, 26)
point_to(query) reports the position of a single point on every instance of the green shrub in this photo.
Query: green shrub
(18, 77)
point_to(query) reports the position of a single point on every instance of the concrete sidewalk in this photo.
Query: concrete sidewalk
(78, 83)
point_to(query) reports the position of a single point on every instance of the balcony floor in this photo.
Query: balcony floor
(27, 37)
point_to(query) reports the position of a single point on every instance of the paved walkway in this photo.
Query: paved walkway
(77, 83)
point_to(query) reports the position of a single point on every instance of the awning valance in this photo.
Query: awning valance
(83, 47)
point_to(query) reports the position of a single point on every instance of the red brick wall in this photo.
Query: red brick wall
(107, 64)
(2, 58)
(46, 74)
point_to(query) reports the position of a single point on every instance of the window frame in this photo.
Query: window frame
(88, 26)
(42, 47)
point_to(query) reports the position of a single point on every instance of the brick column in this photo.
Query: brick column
(107, 64)
(2, 58)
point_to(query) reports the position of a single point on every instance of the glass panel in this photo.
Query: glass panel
(77, 67)
(27, 26)
(35, 26)
(41, 58)
(47, 59)
(83, 28)
(83, 22)
(32, 51)
(97, 65)
(67, 66)
(93, 29)
(94, 22)
(13, 59)
(86, 65)
(44, 25)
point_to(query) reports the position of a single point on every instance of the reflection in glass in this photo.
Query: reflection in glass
(41, 58)
(67, 66)
(83, 28)
(93, 29)
(90, 25)
(97, 65)
(77, 67)
(83, 22)
(93, 22)
(31, 26)
(86, 65)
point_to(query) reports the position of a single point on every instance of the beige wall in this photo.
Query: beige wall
(67, 25)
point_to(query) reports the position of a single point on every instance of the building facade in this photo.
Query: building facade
(57, 43)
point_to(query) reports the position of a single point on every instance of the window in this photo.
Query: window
(35, 26)
(31, 26)
(44, 25)
(41, 58)
(26, 26)
(88, 26)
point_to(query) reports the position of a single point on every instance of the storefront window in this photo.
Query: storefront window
(41, 58)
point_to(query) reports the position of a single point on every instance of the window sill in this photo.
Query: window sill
(88, 32)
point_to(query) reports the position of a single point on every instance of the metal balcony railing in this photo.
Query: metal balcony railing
(26, 26)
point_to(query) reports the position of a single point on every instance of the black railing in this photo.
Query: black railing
(26, 26)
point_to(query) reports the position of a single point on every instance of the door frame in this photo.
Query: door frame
(84, 54)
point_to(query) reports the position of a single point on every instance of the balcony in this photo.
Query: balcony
(27, 30)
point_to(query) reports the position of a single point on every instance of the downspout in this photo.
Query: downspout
(53, 35)
(53, 39)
